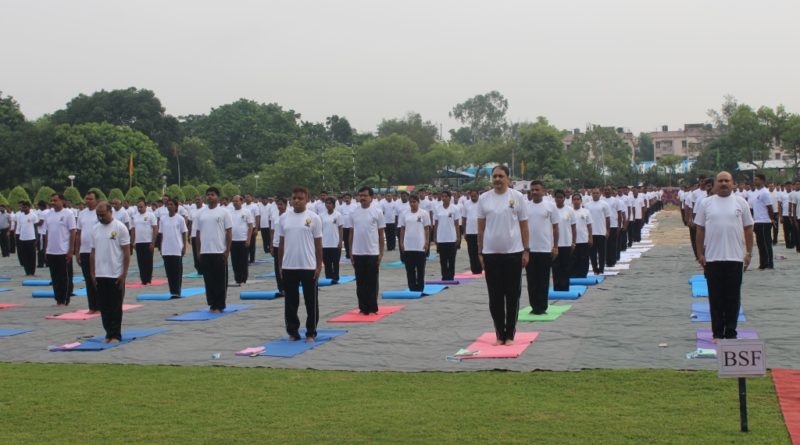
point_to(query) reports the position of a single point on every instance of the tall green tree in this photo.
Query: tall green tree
(645, 150)
(17, 142)
(423, 133)
(116, 193)
(541, 147)
(134, 194)
(293, 166)
(394, 158)
(196, 160)
(339, 129)
(16, 195)
(73, 194)
(484, 115)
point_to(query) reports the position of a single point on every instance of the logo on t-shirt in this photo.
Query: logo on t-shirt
(113, 235)
(511, 203)
(308, 222)
(419, 219)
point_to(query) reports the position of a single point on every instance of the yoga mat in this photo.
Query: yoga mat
(192, 275)
(141, 285)
(461, 275)
(429, 289)
(84, 314)
(11, 332)
(553, 312)
(80, 292)
(8, 305)
(700, 289)
(700, 313)
(619, 267)
(266, 275)
(484, 346)
(43, 294)
(286, 348)
(450, 282)
(588, 281)
(5, 289)
(787, 386)
(573, 293)
(4, 279)
(259, 295)
(705, 337)
(396, 264)
(343, 279)
(432, 257)
(694, 278)
(96, 343)
(186, 292)
(355, 317)
(35, 282)
(205, 314)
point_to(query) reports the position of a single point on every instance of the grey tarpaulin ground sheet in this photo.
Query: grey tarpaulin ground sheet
(617, 324)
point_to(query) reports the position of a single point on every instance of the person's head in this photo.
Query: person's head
(759, 181)
(348, 198)
(607, 192)
(536, 192)
(212, 196)
(323, 195)
(330, 204)
(577, 201)
(300, 199)
(724, 184)
(446, 197)
(500, 178)
(2, 208)
(559, 195)
(172, 206)
(281, 203)
(164, 199)
(103, 211)
(248, 198)
(41, 205)
(365, 195)
(90, 199)
(404, 197)
(237, 202)
(413, 203)
(595, 194)
(24, 206)
(708, 185)
(57, 201)
(141, 206)
(117, 204)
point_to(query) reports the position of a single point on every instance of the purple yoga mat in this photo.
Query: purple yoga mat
(704, 337)
(451, 282)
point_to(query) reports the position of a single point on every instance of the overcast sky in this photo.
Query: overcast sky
(635, 64)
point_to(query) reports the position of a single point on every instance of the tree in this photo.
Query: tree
(77, 148)
(43, 194)
(229, 190)
(17, 139)
(484, 115)
(791, 141)
(423, 133)
(100, 195)
(338, 169)
(3, 200)
(750, 135)
(670, 163)
(202, 189)
(134, 194)
(442, 155)
(74, 195)
(190, 192)
(293, 166)
(116, 193)
(16, 195)
(196, 159)
(645, 150)
(541, 147)
(395, 158)
(175, 191)
(339, 130)
(603, 151)
(153, 196)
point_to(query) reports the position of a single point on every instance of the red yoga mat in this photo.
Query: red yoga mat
(355, 317)
(787, 385)
(84, 314)
(8, 305)
(139, 285)
(486, 348)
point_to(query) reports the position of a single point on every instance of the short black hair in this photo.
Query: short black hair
(536, 182)
(414, 197)
(761, 177)
(212, 189)
(92, 192)
(330, 200)
(369, 190)
(559, 191)
(502, 167)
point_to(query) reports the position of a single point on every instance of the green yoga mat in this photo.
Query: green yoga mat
(553, 312)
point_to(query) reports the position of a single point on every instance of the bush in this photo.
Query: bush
(153, 197)
(202, 189)
(74, 195)
(16, 195)
(3, 200)
(229, 190)
(134, 194)
(100, 195)
(43, 194)
(116, 193)
(189, 192)
(174, 191)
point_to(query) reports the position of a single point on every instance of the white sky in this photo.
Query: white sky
(636, 64)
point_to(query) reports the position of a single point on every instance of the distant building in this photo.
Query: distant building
(687, 142)
(626, 135)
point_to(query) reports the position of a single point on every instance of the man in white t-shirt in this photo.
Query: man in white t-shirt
(243, 226)
(469, 221)
(300, 263)
(109, 261)
(120, 214)
(764, 218)
(59, 245)
(788, 226)
(264, 208)
(346, 209)
(5, 229)
(213, 239)
(447, 228)
(173, 246)
(87, 219)
(26, 227)
(724, 249)
(543, 220)
(366, 248)
(601, 225)
(250, 205)
(390, 218)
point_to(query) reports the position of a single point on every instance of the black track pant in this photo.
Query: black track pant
(276, 253)
(173, 266)
(764, 241)
(110, 297)
(91, 290)
(252, 249)
(239, 252)
(215, 278)
(391, 235)
(579, 267)
(597, 253)
(561, 268)
(366, 269)
(61, 276)
(346, 236)
(144, 259)
(447, 259)
(4, 240)
(612, 247)
(789, 232)
(330, 260)
(472, 250)
(265, 239)
(292, 280)
(504, 282)
(27, 256)
(415, 270)
(724, 296)
(538, 276)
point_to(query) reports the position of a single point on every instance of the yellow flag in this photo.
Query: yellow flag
(522, 167)
(130, 172)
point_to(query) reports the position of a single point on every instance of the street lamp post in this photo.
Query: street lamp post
(71, 180)
(256, 176)
(164, 188)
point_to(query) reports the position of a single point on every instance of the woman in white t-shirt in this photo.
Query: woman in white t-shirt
(144, 230)
(331, 239)
(415, 226)
(566, 242)
(448, 235)
(172, 228)
(583, 238)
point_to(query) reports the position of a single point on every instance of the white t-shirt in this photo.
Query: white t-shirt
(613, 212)
(263, 211)
(502, 212)
(414, 229)
(143, 224)
(389, 211)
(25, 226)
(41, 214)
(331, 222)
(724, 220)
(541, 218)
(783, 197)
(566, 218)
(346, 210)
(299, 230)
(446, 218)
(59, 225)
(87, 219)
(470, 212)
(172, 229)
(583, 217)
(242, 221)
(276, 225)
(794, 198)
(107, 241)
(401, 207)
(760, 199)
(600, 210)
(122, 216)
(366, 223)
(212, 225)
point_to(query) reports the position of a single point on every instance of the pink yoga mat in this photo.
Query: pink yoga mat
(354, 317)
(84, 314)
(705, 337)
(251, 351)
(8, 305)
(467, 275)
(139, 285)
(486, 348)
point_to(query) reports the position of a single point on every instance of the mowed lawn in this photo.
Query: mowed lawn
(105, 404)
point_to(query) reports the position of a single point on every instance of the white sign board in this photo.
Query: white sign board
(741, 358)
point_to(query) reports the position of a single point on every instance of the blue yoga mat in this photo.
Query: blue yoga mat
(5, 289)
(700, 289)
(342, 280)
(573, 293)
(80, 292)
(192, 275)
(396, 264)
(96, 343)
(694, 278)
(429, 289)
(432, 257)
(35, 282)
(10, 332)
(266, 275)
(286, 348)
(205, 314)
(185, 292)
(701, 313)
(43, 294)
(259, 295)
(588, 281)
(4, 279)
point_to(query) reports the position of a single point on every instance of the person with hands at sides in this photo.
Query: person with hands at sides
(567, 233)
(543, 218)
(331, 239)
(59, 244)
(447, 222)
(213, 228)
(415, 226)
(144, 231)
(172, 228)
(366, 250)
(109, 261)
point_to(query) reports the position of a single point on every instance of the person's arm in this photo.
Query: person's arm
(402, 239)
(318, 251)
(700, 240)
(126, 262)
(574, 235)
(77, 248)
(281, 252)
(427, 242)
(184, 238)
(555, 240)
(381, 240)
(91, 268)
(250, 233)
(771, 213)
(228, 240)
(350, 243)
(155, 236)
(458, 231)
(341, 235)
(591, 234)
(526, 249)
(71, 245)
(196, 244)
(608, 226)
(748, 245)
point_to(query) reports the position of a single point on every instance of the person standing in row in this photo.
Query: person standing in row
(583, 239)
(143, 236)
(616, 221)
(41, 212)
(87, 219)
(331, 239)
(448, 235)
(566, 242)
(724, 229)
(213, 227)
(120, 213)
(347, 224)
(275, 251)
(543, 218)
(59, 244)
(300, 263)
(601, 224)
(254, 212)
(503, 246)
(789, 235)
(764, 217)
(109, 260)
(241, 232)
(27, 223)
(366, 248)
(264, 209)
(389, 208)
(198, 206)
(172, 228)
(5, 229)
(415, 224)
(470, 223)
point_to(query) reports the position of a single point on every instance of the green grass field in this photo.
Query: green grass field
(63, 404)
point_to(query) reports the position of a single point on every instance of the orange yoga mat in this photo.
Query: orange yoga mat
(355, 317)
(787, 385)
(84, 314)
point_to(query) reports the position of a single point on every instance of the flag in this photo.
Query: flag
(522, 167)
(130, 171)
